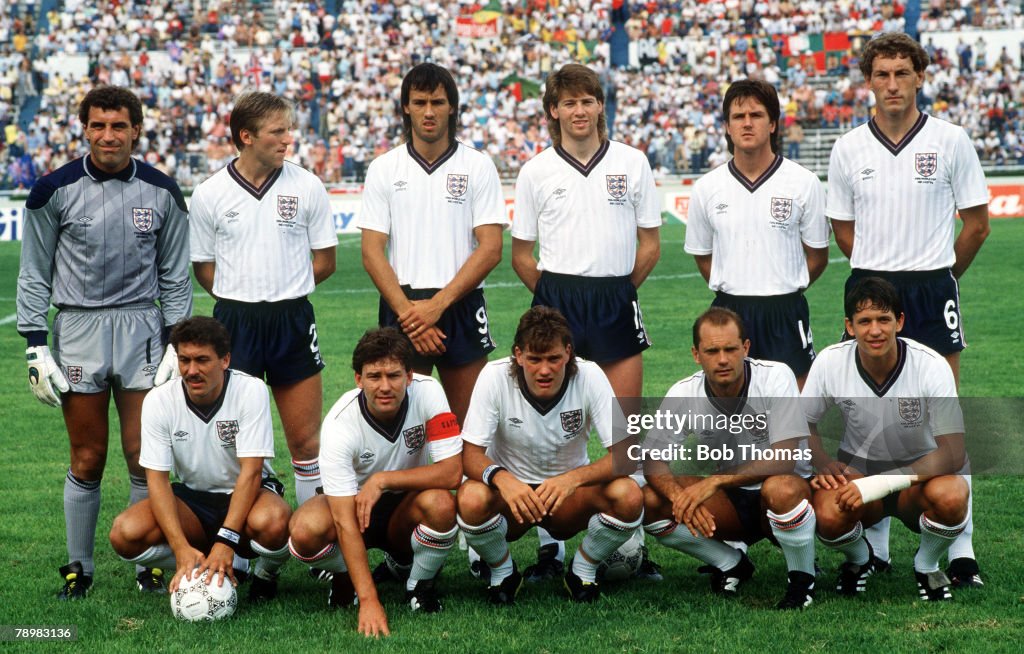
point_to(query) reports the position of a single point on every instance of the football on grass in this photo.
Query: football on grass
(195, 600)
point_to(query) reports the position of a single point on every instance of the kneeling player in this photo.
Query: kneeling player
(525, 456)
(902, 442)
(752, 497)
(213, 428)
(381, 488)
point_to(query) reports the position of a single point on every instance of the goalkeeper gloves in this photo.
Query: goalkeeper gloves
(168, 368)
(44, 374)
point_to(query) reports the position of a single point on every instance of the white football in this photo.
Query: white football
(195, 600)
(625, 561)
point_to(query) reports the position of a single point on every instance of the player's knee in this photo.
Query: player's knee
(310, 527)
(268, 524)
(304, 444)
(124, 537)
(438, 508)
(87, 463)
(783, 492)
(473, 501)
(626, 498)
(948, 497)
(832, 523)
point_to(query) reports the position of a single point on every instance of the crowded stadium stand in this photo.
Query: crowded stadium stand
(665, 63)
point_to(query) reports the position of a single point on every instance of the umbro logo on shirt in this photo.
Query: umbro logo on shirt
(866, 174)
(400, 185)
(180, 435)
(85, 220)
(721, 207)
(515, 422)
(367, 456)
(231, 214)
(559, 192)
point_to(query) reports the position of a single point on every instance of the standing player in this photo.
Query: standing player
(895, 186)
(525, 456)
(757, 230)
(213, 429)
(594, 207)
(105, 238)
(748, 499)
(253, 226)
(902, 443)
(432, 220)
(390, 456)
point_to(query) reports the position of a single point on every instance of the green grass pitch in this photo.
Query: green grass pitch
(678, 614)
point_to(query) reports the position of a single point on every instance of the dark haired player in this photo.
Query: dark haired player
(896, 185)
(390, 455)
(213, 428)
(902, 443)
(432, 220)
(757, 230)
(105, 239)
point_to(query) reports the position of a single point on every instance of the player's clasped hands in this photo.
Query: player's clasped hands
(831, 476)
(419, 322)
(525, 504)
(689, 510)
(552, 492)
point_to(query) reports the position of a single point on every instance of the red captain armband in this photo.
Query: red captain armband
(441, 426)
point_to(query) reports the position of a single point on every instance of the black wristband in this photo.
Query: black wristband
(229, 537)
(490, 472)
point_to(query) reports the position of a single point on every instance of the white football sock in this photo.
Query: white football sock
(794, 531)
(488, 540)
(429, 550)
(158, 556)
(963, 546)
(329, 558)
(269, 561)
(605, 534)
(852, 544)
(878, 535)
(715, 553)
(935, 540)
(307, 479)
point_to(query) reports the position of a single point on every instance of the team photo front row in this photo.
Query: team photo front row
(400, 474)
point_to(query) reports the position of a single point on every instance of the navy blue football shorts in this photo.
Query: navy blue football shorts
(603, 314)
(931, 306)
(212, 508)
(465, 326)
(275, 341)
(778, 326)
(376, 535)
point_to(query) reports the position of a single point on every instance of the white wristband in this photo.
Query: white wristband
(876, 487)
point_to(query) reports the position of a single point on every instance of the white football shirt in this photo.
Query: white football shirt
(354, 445)
(586, 216)
(260, 238)
(903, 196)
(766, 412)
(755, 231)
(532, 441)
(895, 421)
(202, 445)
(429, 210)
